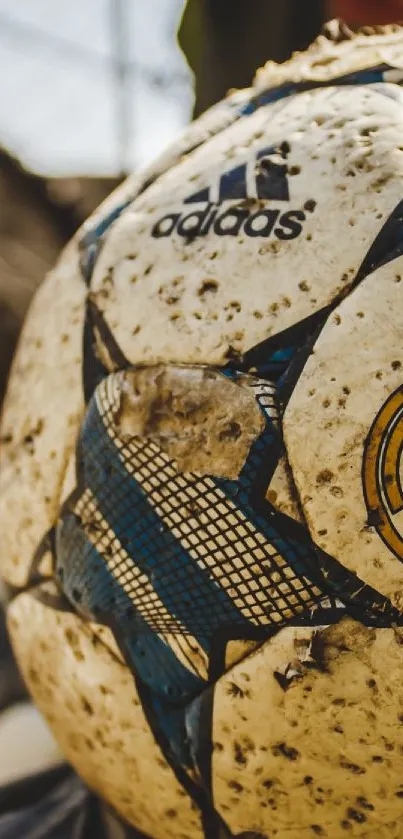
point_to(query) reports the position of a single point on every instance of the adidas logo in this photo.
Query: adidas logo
(260, 179)
(265, 181)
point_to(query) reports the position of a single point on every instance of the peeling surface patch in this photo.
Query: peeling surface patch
(201, 418)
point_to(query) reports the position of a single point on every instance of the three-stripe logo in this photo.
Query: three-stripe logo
(260, 178)
(237, 201)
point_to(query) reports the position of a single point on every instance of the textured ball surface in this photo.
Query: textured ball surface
(201, 470)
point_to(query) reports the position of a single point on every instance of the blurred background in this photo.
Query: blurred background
(101, 86)
(93, 89)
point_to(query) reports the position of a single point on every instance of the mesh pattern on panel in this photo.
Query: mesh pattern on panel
(192, 554)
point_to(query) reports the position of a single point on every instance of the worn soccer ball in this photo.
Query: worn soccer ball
(201, 484)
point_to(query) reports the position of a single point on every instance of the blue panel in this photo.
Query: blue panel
(373, 75)
(91, 241)
(188, 591)
(88, 582)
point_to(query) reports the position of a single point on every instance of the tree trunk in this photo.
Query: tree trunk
(226, 40)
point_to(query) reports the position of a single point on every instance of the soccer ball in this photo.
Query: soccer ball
(201, 484)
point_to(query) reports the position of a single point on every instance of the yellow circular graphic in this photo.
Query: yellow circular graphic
(382, 466)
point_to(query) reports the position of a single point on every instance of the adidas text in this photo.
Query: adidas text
(231, 222)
